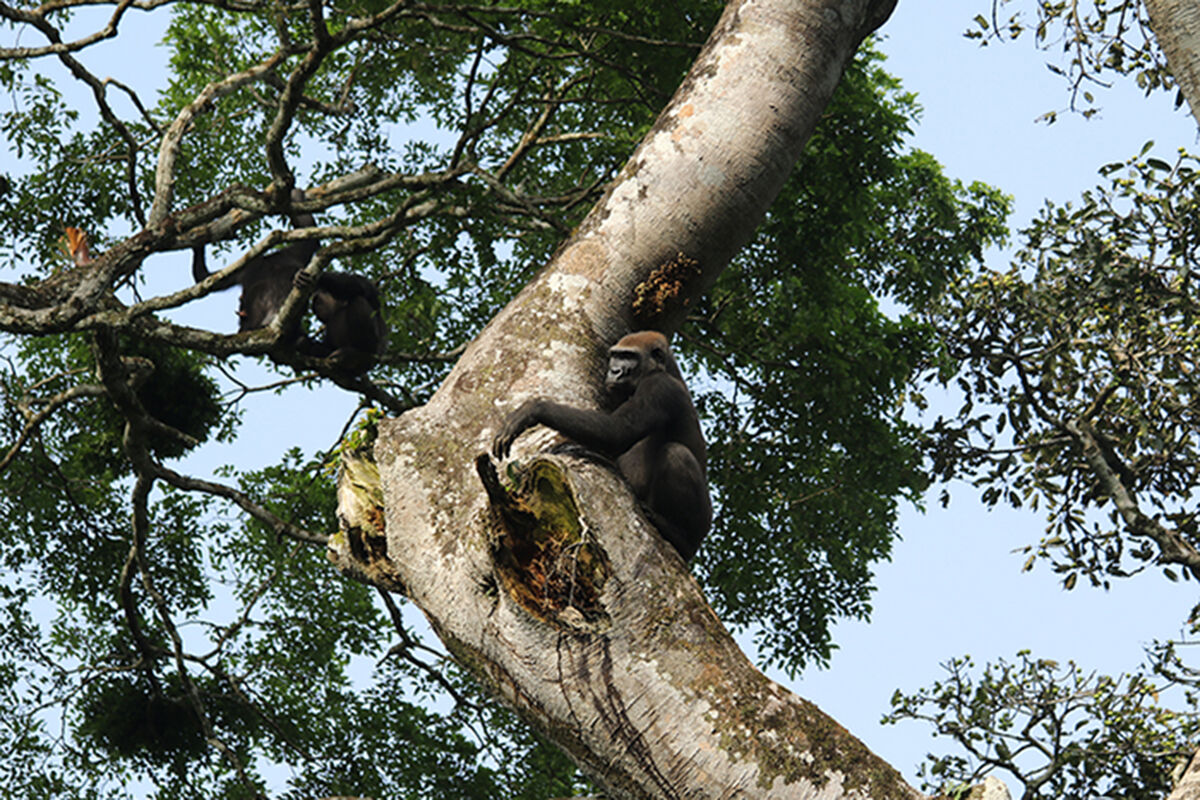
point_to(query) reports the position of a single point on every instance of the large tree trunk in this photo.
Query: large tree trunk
(1176, 25)
(571, 607)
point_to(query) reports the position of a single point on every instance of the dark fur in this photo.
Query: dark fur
(265, 280)
(355, 334)
(348, 305)
(654, 436)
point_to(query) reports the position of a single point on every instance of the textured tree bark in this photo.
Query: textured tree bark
(1188, 785)
(1176, 25)
(560, 595)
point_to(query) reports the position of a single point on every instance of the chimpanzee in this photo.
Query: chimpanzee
(348, 305)
(653, 434)
(267, 279)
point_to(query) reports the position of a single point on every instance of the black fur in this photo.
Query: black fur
(654, 436)
(348, 305)
(355, 334)
(266, 280)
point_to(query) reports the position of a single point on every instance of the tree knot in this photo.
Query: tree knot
(546, 557)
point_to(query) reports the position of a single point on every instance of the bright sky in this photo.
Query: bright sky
(954, 586)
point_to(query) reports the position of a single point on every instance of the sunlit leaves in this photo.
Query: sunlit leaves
(1095, 323)
(1061, 731)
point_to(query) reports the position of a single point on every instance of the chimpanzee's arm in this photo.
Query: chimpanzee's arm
(199, 267)
(347, 286)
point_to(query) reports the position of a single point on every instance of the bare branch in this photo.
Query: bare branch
(141, 525)
(278, 526)
(293, 93)
(168, 152)
(534, 131)
(34, 421)
(36, 18)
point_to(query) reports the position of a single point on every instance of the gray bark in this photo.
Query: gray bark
(1188, 785)
(1176, 25)
(573, 609)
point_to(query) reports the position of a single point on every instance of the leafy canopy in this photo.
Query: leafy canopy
(448, 149)
(1076, 369)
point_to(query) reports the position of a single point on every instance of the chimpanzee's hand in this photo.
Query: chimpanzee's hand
(302, 280)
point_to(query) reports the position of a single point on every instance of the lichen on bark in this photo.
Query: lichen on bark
(546, 558)
(359, 548)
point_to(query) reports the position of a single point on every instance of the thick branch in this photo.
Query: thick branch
(1173, 547)
(58, 48)
(1188, 785)
(632, 674)
(168, 151)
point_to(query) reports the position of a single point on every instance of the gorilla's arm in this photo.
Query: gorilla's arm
(651, 408)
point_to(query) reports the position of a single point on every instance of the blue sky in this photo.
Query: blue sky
(954, 586)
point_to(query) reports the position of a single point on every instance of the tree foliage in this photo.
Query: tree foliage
(1092, 39)
(1059, 730)
(1075, 369)
(447, 150)
(1079, 369)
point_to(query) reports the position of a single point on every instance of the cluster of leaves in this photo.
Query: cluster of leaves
(1079, 372)
(227, 633)
(808, 451)
(1095, 37)
(1060, 731)
(1077, 368)
(281, 677)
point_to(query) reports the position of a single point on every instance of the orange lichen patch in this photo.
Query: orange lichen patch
(663, 290)
(545, 558)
